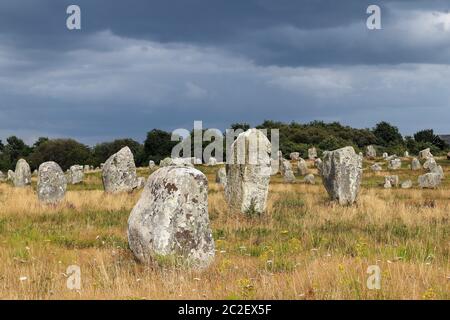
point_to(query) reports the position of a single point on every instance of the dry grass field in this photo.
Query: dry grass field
(303, 247)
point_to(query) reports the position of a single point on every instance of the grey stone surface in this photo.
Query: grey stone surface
(22, 174)
(312, 153)
(430, 180)
(310, 179)
(407, 184)
(425, 154)
(341, 173)
(302, 167)
(394, 180)
(3, 177)
(376, 167)
(248, 175)
(294, 156)
(221, 176)
(76, 174)
(171, 219)
(415, 164)
(371, 152)
(288, 173)
(119, 172)
(151, 165)
(394, 164)
(52, 184)
(10, 176)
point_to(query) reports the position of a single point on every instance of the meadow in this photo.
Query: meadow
(303, 247)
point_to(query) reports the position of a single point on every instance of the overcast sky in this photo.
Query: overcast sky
(143, 64)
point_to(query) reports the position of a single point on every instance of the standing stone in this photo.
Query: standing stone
(3, 178)
(393, 180)
(318, 163)
(425, 154)
(151, 165)
(182, 162)
(294, 156)
(302, 167)
(430, 180)
(248, 174)
(35, 172)
(312, 153)
(212, 161)
(171, 218)
(140, 183)
(274, 166)
(341, 172)
(166, 162)
(221, 176)
(310, 179)
(432, 166)
(376, 167)
(395, 164)
(407, 184)
(86, 168)
(385, 155)
(22, 175)
(387, 184)
(288, 175)
(119, 172)
(76, 174)
(10, 175)
(52, 184)
(406, 154)
(371, 152)
(415, 164)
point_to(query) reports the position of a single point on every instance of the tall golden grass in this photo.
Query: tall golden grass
(303, 247)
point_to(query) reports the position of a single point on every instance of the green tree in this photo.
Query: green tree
(387, 134)
(102, 151)
(158, 145)
(65, 152)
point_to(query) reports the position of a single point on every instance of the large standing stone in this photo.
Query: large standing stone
(166, 162)
(52, 184)
(406, 154)
(171, 218)
(341, 172)
(407, 184)
(393, 180)
(432, 166)
(22, 175)
(212, 161)
(119, 172)
(10, 175)
(151, 165)
(302, 167)
(385, 155)
(288, 175)
(312, 153)
(394, 164)
(371, 152)
(294, 156)
(310, 179)
(376, 167)
(221, 176)
(248, 174)
(425, 154)
(86, 168)
(3, 177)
(415, 164)
(76, 174)
(430, 180)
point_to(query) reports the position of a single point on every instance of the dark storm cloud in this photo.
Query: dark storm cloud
(283, 32)
(138, 65)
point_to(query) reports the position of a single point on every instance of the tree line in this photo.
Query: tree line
(294, 137)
